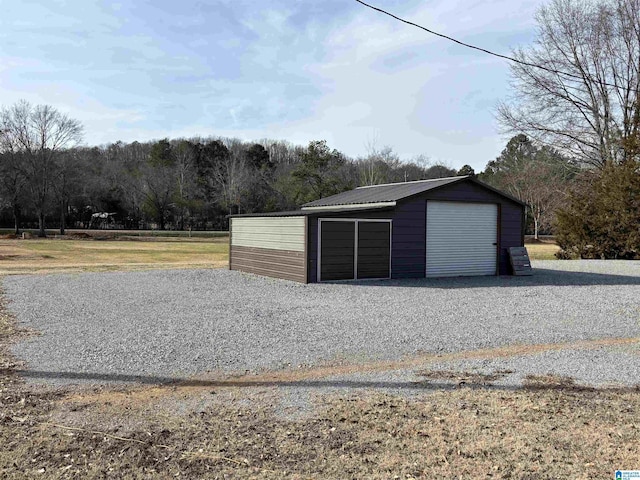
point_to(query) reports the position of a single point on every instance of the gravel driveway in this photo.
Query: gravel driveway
(158, 325)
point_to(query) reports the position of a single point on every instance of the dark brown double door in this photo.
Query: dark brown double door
(354, 249)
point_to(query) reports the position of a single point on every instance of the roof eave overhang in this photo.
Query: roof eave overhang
(499, 192)
(351, 206)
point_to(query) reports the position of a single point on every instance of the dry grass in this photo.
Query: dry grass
(68, 256)
(464, 378)
(550, 430)
(542, 251)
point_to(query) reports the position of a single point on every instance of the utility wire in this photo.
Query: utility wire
(483, 50)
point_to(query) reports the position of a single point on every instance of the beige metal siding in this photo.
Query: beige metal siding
(275, 233)
(285, 264)
(461, 239)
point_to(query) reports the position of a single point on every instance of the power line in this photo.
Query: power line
(483, 50)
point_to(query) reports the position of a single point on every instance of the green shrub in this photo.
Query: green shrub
(564, 255)
(602, 215)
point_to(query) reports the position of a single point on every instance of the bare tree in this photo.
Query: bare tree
(160, 180)
(282, 152)
(537, 176)
(231, 175)
(131, 170)
(586, 104)
(185, 156)
(12, 183)
(38, 133)
(379, 164)
(68, 181)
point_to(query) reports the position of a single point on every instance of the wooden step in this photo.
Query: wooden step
(520, 263)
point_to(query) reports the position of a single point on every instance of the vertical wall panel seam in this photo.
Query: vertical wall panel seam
(230, 233)
(355, 250)
(426, 245)
(499, 239)
(306, 250)
(319, 253)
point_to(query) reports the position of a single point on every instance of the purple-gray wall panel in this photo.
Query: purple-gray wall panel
(409, 234)
(312, 238)
(409, 228)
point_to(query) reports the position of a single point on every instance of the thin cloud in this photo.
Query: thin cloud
(295, 71)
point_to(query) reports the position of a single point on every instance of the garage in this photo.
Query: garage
(462, 239)
(354, 249)
(443, 227)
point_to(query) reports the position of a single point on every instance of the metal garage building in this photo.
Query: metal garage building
(454, 226)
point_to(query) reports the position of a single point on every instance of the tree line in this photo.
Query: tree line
(46, 179)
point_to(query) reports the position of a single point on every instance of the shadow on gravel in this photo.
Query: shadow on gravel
(423, 385)
(540, 277)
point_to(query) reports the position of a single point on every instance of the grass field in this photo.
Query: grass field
(542, 251)
(549, 429)
(57, 256)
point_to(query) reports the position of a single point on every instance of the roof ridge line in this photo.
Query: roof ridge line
(412, 181)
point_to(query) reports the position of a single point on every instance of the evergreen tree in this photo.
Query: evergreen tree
(320, 174)
(602, 216)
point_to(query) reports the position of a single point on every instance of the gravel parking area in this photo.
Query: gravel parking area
(161, 325)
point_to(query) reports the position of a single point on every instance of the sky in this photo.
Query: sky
(296, 70)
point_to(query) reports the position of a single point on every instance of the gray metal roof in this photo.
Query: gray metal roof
(377, 195)
(308, 213)
(389, 192)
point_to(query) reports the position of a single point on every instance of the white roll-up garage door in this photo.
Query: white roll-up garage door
(461, 239)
